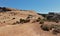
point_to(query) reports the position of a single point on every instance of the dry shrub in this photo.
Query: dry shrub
(46, 27)
(27, 20)
(41, 22)
(29, 16)
(3, 21)
(17, 22)
(14, 23)
(24, 20)
(21, 21)
(13, 18)
(57, 21)
(38, 19)
(56, 29)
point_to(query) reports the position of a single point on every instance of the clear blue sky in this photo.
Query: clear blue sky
(42, 6)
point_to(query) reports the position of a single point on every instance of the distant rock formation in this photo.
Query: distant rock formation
(4, 9)
(51, 16)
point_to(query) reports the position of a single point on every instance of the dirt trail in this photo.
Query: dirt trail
(19, 30)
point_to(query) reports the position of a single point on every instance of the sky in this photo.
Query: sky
(40, 6)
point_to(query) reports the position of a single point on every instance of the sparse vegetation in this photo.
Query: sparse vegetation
(57, 21)
(41, 21)
(29, 16)
(17, 22)
(27, 20)
(46, 27)
(13, 23)
(33, 21)
(13, 18)
(38, 19)
(56, 29)
(21, 21)
(3, 21)
(24, 20)
(45, 19)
